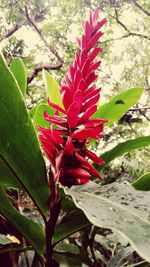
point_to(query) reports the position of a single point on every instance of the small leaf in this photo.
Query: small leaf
(119, 105)
(4, 240)
(125, 147)
(121, 208)
(28, 228)
(52, 88)
(143, 182)
(18, 69)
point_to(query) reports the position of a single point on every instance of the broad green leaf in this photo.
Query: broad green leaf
(125, 147)
(18, 69)
(19, 146)
(143, 182)
(119, 207)
(28, 228)
(52, 88)
(38, 116)
(70, 224)
(119, 105)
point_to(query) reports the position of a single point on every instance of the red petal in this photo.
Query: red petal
(87, 166)
(99, 25)
(78, 98)
(77, 77)
(72, 115)
(67, 98)
(94, 157)
(58, 108)
(85, 117)
(78, 172)
(94, 66)
(94, 53)
(95, 16)
(87, 30)
(91, 102)
(83, 57)
(94, 40)
(69, 148)
(91, 93)
(82, 85)
(91, 78)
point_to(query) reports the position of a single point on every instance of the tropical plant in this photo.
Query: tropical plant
(67, 205)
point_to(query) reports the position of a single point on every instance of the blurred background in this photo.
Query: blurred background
(43, 33)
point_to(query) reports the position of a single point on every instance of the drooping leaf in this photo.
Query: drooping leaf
(119, 207)
(143, 182)
(119, 105)
(52, 88)
(28, 228)
(19, 146)
(125, 147)
(38, 116)
(18, 69)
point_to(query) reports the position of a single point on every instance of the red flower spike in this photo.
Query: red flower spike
(72, 126)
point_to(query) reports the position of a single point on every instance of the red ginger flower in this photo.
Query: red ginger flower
(65, 142)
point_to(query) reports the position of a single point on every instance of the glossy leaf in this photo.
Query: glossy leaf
(52, 88)
(119, 207)
(19, 146)
(125, 147)
(38, 116)
(119, 105)
(29, 229)
(18, 69)
(143, 182)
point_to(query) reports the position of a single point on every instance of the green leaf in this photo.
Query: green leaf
(143, 182)
(38, 116)
(119, 207)
(4, 240)
(125, 147)
(28, 228)
(7, 178)
(19, 146)
(119, 105)
(52, 88)
(18, 69)
(69, 225)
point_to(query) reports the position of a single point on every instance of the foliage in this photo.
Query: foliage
(97, 225)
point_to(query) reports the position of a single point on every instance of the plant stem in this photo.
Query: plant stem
(50, 229)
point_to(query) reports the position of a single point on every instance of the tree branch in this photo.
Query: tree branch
(40, 68)
(39, 31)
(11, 31)
(141, 8)
(130, 33)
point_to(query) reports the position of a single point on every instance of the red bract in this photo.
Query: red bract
(65, 142)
